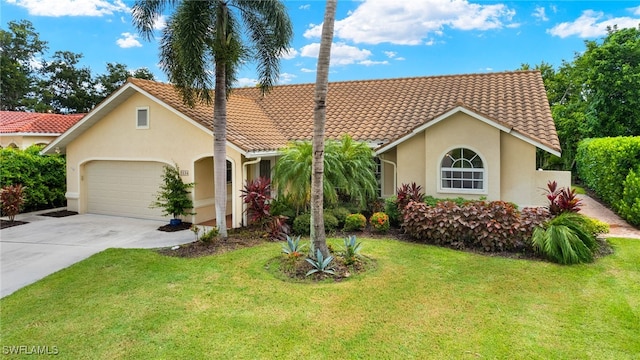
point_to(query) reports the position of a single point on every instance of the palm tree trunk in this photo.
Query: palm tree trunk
(318, 235)
(220, 148)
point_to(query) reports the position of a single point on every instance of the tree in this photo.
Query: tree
(117, 74)
(204, 34)
(19, 48)
(348, 172)
(68, 88)
(173, 196)
(318, 235)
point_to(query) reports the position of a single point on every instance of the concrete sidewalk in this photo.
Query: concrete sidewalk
(618, 227)
(32, 251)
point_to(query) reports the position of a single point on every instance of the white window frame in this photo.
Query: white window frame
(453, 190)
(136, 117)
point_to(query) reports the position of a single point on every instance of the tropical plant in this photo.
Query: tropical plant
(380, 222)
(277, 227)
(257, 195)
(391, 208)
(407, 193)
(565, 239)
(200, 34)
(355, 222)
(12, 200)
(561, 200)
(173, 196)
(293, 247)
(351, 250)
(320, 264)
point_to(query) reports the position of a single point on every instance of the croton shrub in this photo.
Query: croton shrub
(489, 226)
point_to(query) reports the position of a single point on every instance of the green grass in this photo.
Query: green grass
(420, 302)
(578, 189)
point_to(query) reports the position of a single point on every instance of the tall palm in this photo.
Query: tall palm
(318, 235)
(202, 36)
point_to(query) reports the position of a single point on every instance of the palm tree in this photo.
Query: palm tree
(202, 36)
(318, 235)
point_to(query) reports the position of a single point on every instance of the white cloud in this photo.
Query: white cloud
(305, 70)
(245, 82)
(539, 13)
(591, 24)
(410, 22)
(160, 23)
(305, 7)
(128, 40)
(58, 8)
(400, 58)
(390, 54)
(289, 54)
(341, 54)
(286, 78)
(371, 62)
(635, 10)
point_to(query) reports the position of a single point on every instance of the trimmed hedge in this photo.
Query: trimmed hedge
(488, 226)
(606, 166)
(44, 177)
(302, 224)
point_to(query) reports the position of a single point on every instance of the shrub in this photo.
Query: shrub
(391, 208)
(407, 193)
(565, 239)
(320, 264)
(12, 200)
(44, 176)
(277, 227)
(355, 222)
(604, 164)
(257, 194)
(282, 206)
(341, 214)
(293, 247)
(595, 226)
(208, 235)
(561, 200)
(302, 224)
(432, 201)
(492, 226)
(173, 196)
(629, 205)
(379, 222)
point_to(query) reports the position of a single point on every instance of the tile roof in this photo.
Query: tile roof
(36, 123)
(377, 111)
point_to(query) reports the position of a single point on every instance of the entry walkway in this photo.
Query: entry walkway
(618, 227)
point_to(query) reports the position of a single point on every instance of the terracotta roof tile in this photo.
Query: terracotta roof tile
(379, 111)
(37, 123)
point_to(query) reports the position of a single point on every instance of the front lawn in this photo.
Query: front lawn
(420, 302)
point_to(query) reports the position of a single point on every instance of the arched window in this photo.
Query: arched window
(462, 169)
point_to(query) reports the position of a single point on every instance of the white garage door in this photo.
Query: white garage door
(123, 188)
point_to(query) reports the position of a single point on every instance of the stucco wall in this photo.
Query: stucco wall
(518, 166)
(24, 141)
(461, 130)
(411, 161)
(389, 173)
(169, 139)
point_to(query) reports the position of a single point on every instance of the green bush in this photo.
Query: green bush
(44, 177)
(596, 227)
(341, 214)
(282, 206)
(355, 222)
(603, 164)
(629, 205)
(565, 239)
(302, 224)
(391, 208)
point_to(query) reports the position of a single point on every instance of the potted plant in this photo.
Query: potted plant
(173, 196)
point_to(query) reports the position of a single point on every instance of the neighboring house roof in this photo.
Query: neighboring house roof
(26, 123)
(380, 112)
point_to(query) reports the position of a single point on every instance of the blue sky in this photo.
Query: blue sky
(373, 38)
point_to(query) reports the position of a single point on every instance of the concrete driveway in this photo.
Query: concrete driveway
(32, 251)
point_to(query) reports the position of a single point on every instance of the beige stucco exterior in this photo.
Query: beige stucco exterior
(169, 139)
(508, 160)
(23, 141)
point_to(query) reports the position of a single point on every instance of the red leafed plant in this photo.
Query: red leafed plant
(407, 193)
(257, 195)
(12, 199)
(562, 200)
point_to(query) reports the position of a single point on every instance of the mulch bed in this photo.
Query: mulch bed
(7, 224)
(60, 213)
(173, 228)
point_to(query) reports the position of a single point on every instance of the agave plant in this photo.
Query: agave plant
(566, 239)
(320, 264)
(351, 249)
(293, 246)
